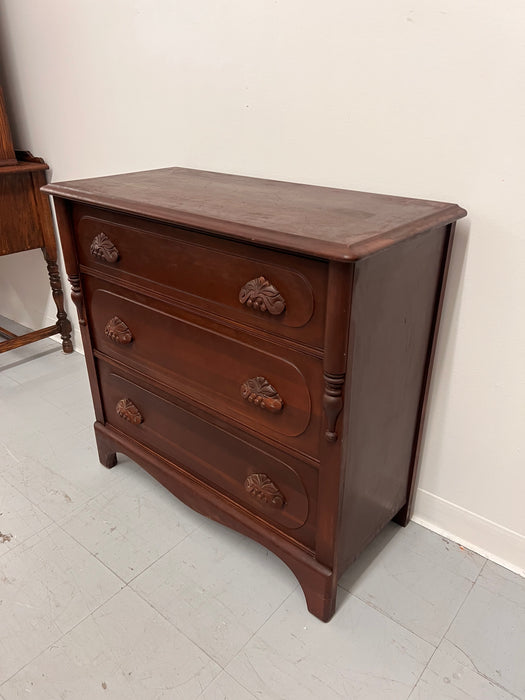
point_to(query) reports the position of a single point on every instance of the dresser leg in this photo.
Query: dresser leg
(106, 450)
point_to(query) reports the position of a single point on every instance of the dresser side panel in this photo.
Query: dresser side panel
(69, 250)
(395, 298)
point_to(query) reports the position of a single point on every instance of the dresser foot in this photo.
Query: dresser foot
(320, 591)
(320, 607)
(106, 450)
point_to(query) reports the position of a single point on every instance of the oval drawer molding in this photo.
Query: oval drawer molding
(178, 264)
(103, 249)
(260, 392)
(260, 486)
(188, 358)
(261, 295)
(283, 493)
(117, 331)
(126, 409)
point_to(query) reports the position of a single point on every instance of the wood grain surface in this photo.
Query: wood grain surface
(322, 221)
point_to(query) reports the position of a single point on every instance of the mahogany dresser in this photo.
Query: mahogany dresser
(261, 348)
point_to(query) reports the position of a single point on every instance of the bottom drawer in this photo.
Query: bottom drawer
(284, 494)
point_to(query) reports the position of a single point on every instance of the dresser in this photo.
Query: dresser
(262, 348)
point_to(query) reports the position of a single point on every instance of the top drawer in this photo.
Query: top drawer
(273, 291)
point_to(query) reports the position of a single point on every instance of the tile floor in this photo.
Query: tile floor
(111, 588)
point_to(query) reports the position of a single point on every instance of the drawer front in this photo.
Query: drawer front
(273, 391)
(284, 494)
(280, 293)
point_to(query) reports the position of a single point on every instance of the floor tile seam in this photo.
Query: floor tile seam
(136, 576)
(79, 507)
(58, 475)
(54, 520)
(51, 385)
(123, 581)
(181, 632)
(11, 379)
(236, 680)
(225, 668)
(485, 587)
(59, 638)
(274, 612)
(484, 675)
(422, 672)
(34, 534)
(392, 619)
(463, 601)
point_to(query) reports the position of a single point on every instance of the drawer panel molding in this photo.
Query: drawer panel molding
(260, 289)
(284, 493)
(260, 388)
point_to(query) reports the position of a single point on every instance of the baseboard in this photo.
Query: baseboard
(493, 541)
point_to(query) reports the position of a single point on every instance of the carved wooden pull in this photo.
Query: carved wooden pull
(260, 486)
(260, 392)
(126, 409)
(118, 331)
(103, 249)
(260, 295)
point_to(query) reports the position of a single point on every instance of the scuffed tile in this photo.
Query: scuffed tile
(416, 577)
(53, 493)
(451, 675)
(131, 524)
(47, 585)
(19, 518)
(124, 650)
(217, 587)
(360, 654)
(224, 687)
(490, 628)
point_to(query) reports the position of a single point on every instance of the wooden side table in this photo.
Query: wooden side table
(26, 224)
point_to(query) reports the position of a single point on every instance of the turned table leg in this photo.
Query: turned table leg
(63, 323)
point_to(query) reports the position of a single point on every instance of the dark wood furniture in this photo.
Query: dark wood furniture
(262, 348)
(26, 224)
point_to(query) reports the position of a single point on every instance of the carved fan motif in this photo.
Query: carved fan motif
(117, 331)
(103, 249)
(260, 486)
(126, 409)
(260, 392)
(260, 295)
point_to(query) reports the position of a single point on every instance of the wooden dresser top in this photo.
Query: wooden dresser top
(320, 221)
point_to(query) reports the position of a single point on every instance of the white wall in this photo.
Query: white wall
(423, 99)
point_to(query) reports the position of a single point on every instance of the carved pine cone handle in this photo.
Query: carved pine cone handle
(126, 409)
(261, 487)
(117, 331)
(261, 393)
(102, 248)
(262, 296)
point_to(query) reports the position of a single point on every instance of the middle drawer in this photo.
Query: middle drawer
(272, 390)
